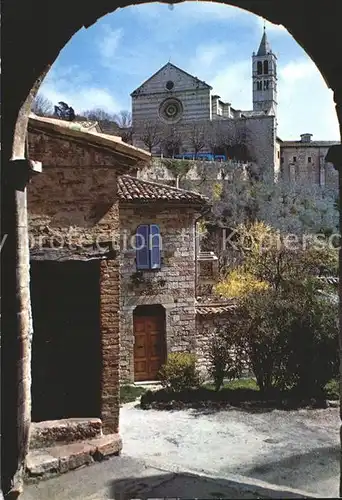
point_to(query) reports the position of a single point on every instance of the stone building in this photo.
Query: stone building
(158, 284)
(73, 208)
(172, 99)
(114, 282)
(180, 104)
(304, 161)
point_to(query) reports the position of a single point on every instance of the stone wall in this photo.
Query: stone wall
(157, 171)
(172, 286)
(71, 205)
(206, 327)
(317, 171)
(110, 340)
(205, 332)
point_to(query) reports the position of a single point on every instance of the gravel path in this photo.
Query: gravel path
(297, 449)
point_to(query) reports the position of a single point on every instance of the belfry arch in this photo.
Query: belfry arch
(35, 31)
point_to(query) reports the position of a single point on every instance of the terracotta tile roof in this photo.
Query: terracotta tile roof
(132, 189)
(330, 280)
(209, 309)
(214, 305)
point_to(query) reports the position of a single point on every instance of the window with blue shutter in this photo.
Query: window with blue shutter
(142, 247)
(155, 246)
(148, 247)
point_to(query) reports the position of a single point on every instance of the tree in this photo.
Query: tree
(64, 111)
(196, 135)
(179, 168)
(98, 114)
(42, 106)
(172, 140)
(123, 119)
(287, 326)
(151, 134)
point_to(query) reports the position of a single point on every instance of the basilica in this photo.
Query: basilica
(176, 101)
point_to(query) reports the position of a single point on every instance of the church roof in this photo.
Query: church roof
(264, 47)
(168, 64)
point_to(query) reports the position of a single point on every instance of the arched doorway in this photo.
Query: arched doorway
(33, 50)
(149, 341)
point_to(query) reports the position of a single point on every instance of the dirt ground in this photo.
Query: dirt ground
(296, 449)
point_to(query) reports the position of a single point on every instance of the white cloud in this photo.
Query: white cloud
(305, 104)
(109, 43)
(207, 56)
(233, 84)
(76, 89)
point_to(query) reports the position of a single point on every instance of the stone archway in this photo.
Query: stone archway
(35, 31)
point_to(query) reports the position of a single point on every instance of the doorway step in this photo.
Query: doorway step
(58, 446)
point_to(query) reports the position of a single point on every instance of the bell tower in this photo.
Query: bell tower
(265, 78)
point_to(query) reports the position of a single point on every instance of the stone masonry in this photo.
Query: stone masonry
(74, 204)
(173, 286)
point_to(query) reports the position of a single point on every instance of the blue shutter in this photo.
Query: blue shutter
(141, 245)
(155, 246)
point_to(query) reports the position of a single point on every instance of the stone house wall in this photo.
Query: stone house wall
(74, 202)
(205, 332)
(172, 286)
(304, 170)
(206, 327)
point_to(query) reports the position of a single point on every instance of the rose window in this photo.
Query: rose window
(171, 109)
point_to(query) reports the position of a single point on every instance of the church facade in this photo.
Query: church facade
(175, 113)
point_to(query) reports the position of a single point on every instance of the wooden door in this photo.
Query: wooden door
(149, 350)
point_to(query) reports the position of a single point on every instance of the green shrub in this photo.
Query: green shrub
(226, 353)
(179, 372)
(292, 340)
(332, 389)
(129, 393)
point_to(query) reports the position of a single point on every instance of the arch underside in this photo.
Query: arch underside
(35, 32)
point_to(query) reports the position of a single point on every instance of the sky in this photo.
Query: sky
(102, 65)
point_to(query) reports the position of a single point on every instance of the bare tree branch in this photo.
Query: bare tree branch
(172, 140)
(151, 134)
(99, 115)
(197, 137)
(42, 106)
(123, 119)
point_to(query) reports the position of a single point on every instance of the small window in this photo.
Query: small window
(278, 154)
(266, 84)
(259, 85)
(309, 159)
(265, 67)
(259, 68)
(169, 85)
(148, 247)
(294, 159)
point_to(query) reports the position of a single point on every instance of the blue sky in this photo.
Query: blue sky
(103, 64)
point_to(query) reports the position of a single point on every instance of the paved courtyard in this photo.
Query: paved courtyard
(296, 449)
(210, 454)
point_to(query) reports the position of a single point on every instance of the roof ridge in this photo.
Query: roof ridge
(173, 188)
(133, 189)
(164, 66)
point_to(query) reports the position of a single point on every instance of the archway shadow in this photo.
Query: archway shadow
(315, 471)
(183, 485)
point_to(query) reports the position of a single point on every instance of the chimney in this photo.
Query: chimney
(305, 137)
